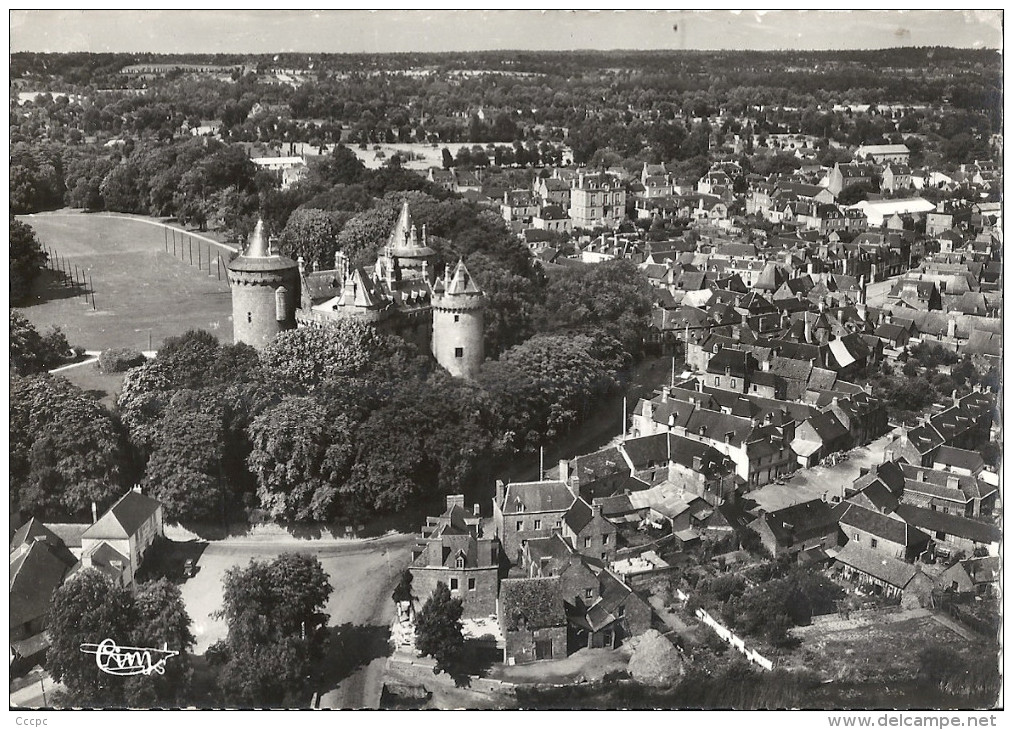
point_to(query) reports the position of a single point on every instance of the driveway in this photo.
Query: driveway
(832, 481)
(363, 574)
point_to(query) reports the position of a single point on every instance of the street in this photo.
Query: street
(363, 574)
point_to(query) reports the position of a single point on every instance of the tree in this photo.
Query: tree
(86, 610)
(313, 235)
(346, 347)
(66, 451)
(448, 159)
(364, 234)
(438, 630)
(31, 352)
(301, 456)
(274, 617)
(27, 259)
(162, 621)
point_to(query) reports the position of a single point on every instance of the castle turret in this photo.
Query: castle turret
(458, 323)
(265, 292)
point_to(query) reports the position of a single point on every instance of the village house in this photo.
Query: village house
(881, 532)
(118, 541)
(976, 576)
(453, 551)
(527, 510)
(883, 575)
(589, 532)
(948, 492)
(597, 200)
(39, 561)
(532, 617)
(953, 534)
(804, 526)
(884, 153)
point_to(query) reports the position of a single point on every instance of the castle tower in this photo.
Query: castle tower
(407, 246)
(458, 323)
(265, 292)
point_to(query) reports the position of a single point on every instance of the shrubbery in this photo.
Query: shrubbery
(119, 360)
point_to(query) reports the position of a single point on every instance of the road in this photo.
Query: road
(363, 574)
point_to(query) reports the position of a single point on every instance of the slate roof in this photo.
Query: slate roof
(801, 521)
(960, 458)
(34, 531)
(578, 516)
(933, 521)
(892, 571)
(537, 603)
(36, 572)
(888, 528)
(124, 518)
(546, 496)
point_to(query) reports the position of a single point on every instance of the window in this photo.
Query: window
(249, 316)
(471, 584)
(874, 542)
(604, 539)
(460, 562)
(589, 593)
(857, 537)
(538, 524)
(940, 535)
(520, 525)
(733, 382)
(458, 352)
(717, 382)
(453, 584)
(587, 542)
(457, 318)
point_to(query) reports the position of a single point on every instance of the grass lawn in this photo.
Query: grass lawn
(90, 378)
(142, 293)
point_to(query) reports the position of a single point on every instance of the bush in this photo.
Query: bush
(119, 360)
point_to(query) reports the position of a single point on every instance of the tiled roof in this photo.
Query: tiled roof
(876, 523)
(801, 521)
(961, 458)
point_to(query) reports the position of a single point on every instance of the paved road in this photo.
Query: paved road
(363, 574)
(833, 480)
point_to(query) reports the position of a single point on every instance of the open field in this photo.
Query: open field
(103, 386)
(142, 293)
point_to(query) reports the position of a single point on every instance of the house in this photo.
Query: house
(519, 205)
(116, 544)
(597, 200)
(39, 562)
(978, 576)
(590, 533)
(528, 510)
(453, 552)
(799, 527)
(896, 176)
(953, 534)
(553, 191)
(958, 461)
(819, 436)
(730, 369)
(946, 492)
(552, 218)
(881, 533)
(532, 618)
(614, 614)
(886, 576)
(881, 153)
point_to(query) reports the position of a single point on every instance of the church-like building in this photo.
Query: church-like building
(402, 294)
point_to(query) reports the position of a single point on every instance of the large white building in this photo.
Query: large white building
(597, 201)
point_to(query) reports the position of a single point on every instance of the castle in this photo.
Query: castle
(400, 295)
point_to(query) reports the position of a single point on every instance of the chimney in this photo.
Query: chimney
(697, 464)
(94, 513)
(564, 470)
(664, 393)
(500, 491)
(921, 476)
(455, 500)
(477, 510)
(86, 560)
(952, 481)
(888, 456)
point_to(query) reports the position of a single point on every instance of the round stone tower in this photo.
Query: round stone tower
(458, 323)
(265, 292)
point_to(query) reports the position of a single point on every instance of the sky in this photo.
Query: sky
(379, 31)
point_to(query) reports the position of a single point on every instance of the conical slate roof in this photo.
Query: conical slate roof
(403, 240)
(462, 283)
(258, 255)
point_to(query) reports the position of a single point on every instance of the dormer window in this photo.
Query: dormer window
(460, 562)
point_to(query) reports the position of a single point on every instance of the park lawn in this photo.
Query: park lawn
(142, 294)
(105, 387)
